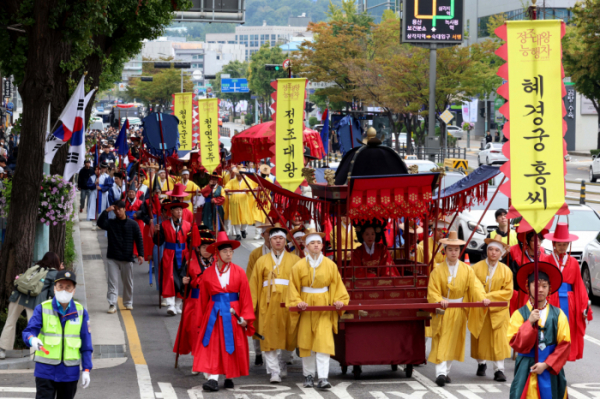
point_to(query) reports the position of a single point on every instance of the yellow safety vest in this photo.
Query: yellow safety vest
(513, 237)
(63, 345)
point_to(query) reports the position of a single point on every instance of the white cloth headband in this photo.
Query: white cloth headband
(277, 233)
(313, 237)
(185, 172)
(299, 234)
(497, 245)
(161, 171)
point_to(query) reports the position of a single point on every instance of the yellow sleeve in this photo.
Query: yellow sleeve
(293, 295)
(434, 289)
(420, 253)
(476, 290)
(251, 263)
(516, 321)
(506, 292)
(255, 284)
(563, 333)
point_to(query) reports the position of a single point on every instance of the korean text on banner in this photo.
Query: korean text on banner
(183, 110)
(208, 110)
(535, 112)
(289, 120)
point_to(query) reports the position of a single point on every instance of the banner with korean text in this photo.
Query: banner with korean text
(208, 114)
(183, 107)
(535, 110)
(289, 123)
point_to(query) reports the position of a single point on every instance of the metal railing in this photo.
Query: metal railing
(583, 192)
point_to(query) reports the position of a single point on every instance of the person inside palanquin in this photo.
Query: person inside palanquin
(372, 253)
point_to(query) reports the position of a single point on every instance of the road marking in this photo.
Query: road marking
(575, 394)
(475, 388)
(167, 391)
(195, 394)
(11, 389)
(412, 395)
(592, 339)
(309, 393)
(135, 348)
(490, 388)
(432, 386)
(341, 390)
(469, 394)
(413, 384)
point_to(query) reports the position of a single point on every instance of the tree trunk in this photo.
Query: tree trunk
(44, 53)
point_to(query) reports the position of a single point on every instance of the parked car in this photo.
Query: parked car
(455, 131)
(401, 140)
(226, 141)
(492, 155)
(584, 222)
(467, 222)
(424, 165)
(595, 168)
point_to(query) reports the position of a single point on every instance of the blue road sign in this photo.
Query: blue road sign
(234, 86)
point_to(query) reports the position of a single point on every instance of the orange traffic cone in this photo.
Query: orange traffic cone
(467, 261)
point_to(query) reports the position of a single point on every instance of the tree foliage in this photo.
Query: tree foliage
(581, 51)
(165, 83)
(259, 80)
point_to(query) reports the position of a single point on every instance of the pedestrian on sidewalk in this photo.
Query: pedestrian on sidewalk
(59, 331)
(19, 302)
(123, 233)
(488, 137)
(84, 175)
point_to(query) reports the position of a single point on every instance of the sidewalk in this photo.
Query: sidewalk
(108, 336)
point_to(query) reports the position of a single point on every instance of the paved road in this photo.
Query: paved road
(149, 371)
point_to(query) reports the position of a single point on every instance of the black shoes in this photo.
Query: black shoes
(228, 384)
(481, 367)
(258, 360)
(211, 386)
(244, 234)
(238, 238)
(440, 380)
(448, 380)
(499, 376)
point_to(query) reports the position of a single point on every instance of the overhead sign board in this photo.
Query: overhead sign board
(234, 86)
(433, 21)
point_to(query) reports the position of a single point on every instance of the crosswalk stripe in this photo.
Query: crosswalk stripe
(592, 340)
(469, 394)
(15, 389)
(576, 394)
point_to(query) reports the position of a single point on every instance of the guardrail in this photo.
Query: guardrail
(583, 191)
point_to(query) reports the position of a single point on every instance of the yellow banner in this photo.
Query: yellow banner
(208, 115)
(536, 123)
(183, 111)
(289, 118)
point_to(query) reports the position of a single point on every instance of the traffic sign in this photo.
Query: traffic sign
(446, 116)
(438, 21)
(234, 86)
(286, 64)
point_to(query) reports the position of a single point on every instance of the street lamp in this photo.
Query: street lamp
(196, 75)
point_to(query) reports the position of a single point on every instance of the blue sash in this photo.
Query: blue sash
(178, 248)
(130, 214)
(563, 297)
(222, 304)
(195, 293)
(544, 381)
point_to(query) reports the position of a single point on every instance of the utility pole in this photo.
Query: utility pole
(432, 141)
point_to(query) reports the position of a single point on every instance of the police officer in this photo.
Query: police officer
(59, 331)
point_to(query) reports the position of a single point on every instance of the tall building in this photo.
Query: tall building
(253, 37)
(133, 67)
(375, 8)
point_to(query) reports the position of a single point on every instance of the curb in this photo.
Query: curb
(80, 294)
(17, 360)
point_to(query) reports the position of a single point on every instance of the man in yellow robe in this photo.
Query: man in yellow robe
(440, 229)
(451, 281)
(240, 213)
(191, 188)
(489, 326)
(227, 176)
(164, 184)
(260, 213)
(269, 286)
(252, 259)
(349, 239)
(316, 281)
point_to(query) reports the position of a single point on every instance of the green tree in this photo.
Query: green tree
(259, 80)
(235, 69)
(165, 83)
(581, 51)
(62, 39)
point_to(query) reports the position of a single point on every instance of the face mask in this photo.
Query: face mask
(63, 296)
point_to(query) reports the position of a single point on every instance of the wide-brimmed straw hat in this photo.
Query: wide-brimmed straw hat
(313, 231)
(276, 226)
(553, 273)
(452, 239)
(264, 169)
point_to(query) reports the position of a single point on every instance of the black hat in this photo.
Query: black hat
(65, 275)
(103, 165)
(307, 154)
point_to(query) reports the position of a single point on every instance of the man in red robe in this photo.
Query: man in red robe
(223, 342)
(572, 296)
(173, 233)
(189, 326)
(177, 194)
(521, 254)
(133, 206)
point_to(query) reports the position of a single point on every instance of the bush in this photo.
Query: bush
(312, 121)
(249, 119)
(595, 152)
(70, 253)
(21, 324)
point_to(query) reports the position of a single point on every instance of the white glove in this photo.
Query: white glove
(36, 343)
(85, 379)
(241, 320)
